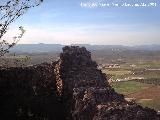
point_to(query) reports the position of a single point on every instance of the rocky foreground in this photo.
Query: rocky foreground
(71, 88)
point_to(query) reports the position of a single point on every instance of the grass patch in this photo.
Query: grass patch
(117, 72)
(153, 64)
(129, 87)
(154, 104)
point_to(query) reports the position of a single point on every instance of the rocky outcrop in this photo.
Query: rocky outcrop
(125, 111)
(71, 88)
(29, 93)
(87, 94)
(83, 85)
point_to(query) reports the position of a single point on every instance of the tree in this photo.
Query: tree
(9, 12)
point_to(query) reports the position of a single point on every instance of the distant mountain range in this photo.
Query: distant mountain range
(37, 48)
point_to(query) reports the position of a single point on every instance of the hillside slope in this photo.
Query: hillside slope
(71, 88)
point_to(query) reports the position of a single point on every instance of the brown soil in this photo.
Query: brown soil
(150, 93)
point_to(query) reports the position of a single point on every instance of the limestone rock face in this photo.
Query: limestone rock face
(71, 88)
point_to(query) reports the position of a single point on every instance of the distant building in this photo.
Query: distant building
(104, 66)
(133, 65)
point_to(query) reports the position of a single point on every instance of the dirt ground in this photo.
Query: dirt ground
(150, 93)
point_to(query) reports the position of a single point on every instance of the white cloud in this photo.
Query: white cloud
(90, 34)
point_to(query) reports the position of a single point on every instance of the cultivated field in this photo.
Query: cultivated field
(139, 81)
(146, 95)
(135, 74)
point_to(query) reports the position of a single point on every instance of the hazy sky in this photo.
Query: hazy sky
(67, 22)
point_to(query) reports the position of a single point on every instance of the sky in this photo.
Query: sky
(75, 22)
